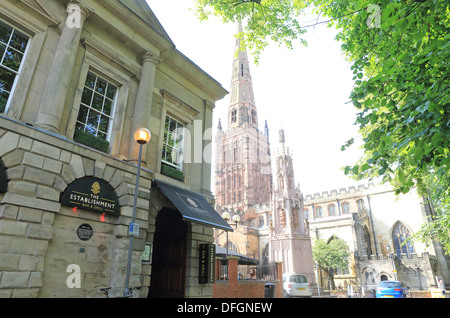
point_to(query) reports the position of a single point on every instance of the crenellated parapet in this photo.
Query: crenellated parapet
(342, 193)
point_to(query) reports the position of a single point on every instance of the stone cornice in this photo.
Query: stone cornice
(98, 48)
(178, 102)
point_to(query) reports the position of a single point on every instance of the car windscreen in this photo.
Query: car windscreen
(389, 285)
(298, 279)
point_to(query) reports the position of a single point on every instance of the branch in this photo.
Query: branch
(247, 1)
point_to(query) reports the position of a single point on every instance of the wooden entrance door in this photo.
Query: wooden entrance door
(168, 276)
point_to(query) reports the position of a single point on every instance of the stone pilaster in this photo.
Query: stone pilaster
(55, 92)
(142, 109)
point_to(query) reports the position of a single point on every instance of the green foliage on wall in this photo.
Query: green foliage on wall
(90, 140)
(172, 172)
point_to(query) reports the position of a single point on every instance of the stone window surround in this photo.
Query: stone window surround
(121, 80)
(109, 115)
(36, 33)
(177, 109)
(24, 58)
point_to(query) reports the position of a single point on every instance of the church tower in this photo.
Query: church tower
(290, 242)
(243, 175)
(242, 110)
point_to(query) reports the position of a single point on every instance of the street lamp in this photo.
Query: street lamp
(226, 216)
(141, 136)
(236, 218)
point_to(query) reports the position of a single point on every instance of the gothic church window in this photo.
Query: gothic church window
(231, 247)
(360, 203)
(261, 221)
(253, 116)
(233, 115)
(12, 51)
(369, 276)
(306, 213)
(331, 210)
(319, 212)
(345, 207)
(367, 242)
(401, 237)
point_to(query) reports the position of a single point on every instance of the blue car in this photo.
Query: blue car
(392, 289)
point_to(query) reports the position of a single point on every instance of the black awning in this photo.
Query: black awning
(243, 260)
(193, 206)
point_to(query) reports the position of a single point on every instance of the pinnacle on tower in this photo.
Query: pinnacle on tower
(242, 109)
(282, 141)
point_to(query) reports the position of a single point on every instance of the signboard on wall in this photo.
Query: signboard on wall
(207, 263)
(92, 194)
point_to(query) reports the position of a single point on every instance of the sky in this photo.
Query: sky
(304, 91)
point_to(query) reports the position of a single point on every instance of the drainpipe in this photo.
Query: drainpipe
(373, 229)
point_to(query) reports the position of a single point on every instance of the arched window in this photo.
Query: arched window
(369, 276)
(345, 207)
(265, 255)
(261, 221)
(233, 115)
(319, 212)
(331, 210)
(306, 213)
(368, 245)
(360, 203)
(401, 238)
(232, 247)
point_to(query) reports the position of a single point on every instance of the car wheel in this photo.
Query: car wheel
(286, 295)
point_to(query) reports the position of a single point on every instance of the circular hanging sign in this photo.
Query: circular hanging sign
(85, 232)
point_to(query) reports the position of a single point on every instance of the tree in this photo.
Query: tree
(331, 256)
(274, 20)
(400, 60)
(438, 200)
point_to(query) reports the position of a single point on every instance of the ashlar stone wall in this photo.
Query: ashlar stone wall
(38, 236)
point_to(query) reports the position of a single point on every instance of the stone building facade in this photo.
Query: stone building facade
(376, 225)
(77, 79)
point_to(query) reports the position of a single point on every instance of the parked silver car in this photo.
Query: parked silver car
(296, 285)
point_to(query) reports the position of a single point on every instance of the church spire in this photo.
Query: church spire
(242, 110)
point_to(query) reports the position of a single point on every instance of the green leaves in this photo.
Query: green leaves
(266, 20)
(404, 92)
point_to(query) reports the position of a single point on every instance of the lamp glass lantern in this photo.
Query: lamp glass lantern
(142, 136)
